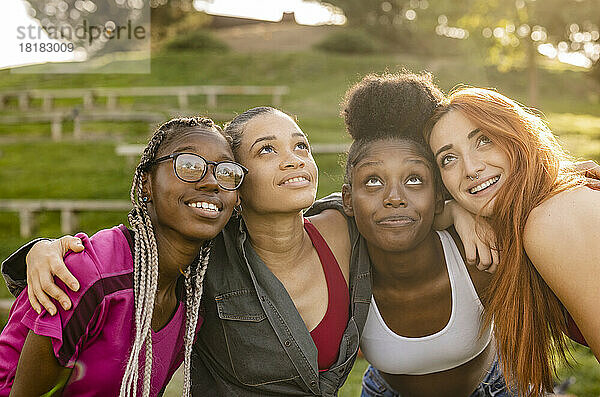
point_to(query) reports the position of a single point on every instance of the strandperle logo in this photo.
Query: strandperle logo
(83, 31)
(83, 36)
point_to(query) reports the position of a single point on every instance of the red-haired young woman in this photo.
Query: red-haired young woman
(502, 162)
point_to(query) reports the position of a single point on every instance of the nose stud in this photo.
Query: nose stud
(475, 177)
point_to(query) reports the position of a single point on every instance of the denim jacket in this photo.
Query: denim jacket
(253, 341)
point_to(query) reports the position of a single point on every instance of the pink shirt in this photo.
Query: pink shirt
(95, 336)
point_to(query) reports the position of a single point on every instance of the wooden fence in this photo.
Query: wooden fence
(68, 211)
(57, 120)
(112, 95)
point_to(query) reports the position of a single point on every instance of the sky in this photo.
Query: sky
(305, 12)
(13, 14)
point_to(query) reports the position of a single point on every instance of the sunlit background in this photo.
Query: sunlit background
(69, 136)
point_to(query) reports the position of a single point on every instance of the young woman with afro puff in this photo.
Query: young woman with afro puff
(423, 335)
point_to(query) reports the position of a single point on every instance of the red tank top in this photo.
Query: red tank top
(327, 335)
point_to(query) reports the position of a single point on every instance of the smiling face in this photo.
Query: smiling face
(393, 195)
(195, 211)
(472, 166)
(282, 175)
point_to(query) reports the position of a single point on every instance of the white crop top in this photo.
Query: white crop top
(457, 343)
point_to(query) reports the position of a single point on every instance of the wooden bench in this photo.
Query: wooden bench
(112, 95)
(57, 120)
(132, 152)
(68, 211)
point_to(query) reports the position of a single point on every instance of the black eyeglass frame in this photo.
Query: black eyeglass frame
(174, 156)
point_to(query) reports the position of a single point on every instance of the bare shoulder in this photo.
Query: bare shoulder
(569, 211)
(333, 227)
(330, 221)
(561, 240)
(562, 231)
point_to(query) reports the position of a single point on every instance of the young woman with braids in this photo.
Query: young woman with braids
(135, 314)
(286, 299)
(502, 163)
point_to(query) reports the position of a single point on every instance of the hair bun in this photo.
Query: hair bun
(390, 105)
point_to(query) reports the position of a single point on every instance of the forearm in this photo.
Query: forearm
(38, 371)
(14, 268)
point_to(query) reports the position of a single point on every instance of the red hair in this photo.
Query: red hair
(529, 319)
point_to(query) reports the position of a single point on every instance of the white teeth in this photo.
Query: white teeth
(296, 179)
(484, 185)
(204, 205)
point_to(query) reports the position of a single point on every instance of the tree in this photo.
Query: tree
(514, 32)
(511, 31)
(408, 24)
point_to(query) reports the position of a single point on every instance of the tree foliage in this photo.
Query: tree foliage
(407, 24)
(506, 28)
(512, 32)
(511, 29)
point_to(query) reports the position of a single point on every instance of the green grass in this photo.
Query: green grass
(90, 169)
(586, 373)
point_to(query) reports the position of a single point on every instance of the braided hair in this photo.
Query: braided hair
(145, 267)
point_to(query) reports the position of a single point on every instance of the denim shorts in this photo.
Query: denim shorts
(373, 384)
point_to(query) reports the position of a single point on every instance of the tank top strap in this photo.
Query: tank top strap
(460, 279)
(328, 333)
(328, 261)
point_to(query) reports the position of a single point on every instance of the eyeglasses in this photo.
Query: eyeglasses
(190, 167)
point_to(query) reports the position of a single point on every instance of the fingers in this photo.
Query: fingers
(51, 289)
(58, 267)
(44, 261)
(495, 260)
(70, 243)
(593, 182)
(35, 304)
(485, 257)
(37, 294)
(61, 271)
(587, 165)
(589, 168)
(470, 253)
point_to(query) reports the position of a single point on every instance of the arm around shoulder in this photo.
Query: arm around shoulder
(14, 268)
(561, 239)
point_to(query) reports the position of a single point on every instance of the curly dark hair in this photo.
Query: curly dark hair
(388, 106)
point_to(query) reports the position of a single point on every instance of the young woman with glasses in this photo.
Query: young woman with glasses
(136, 312)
